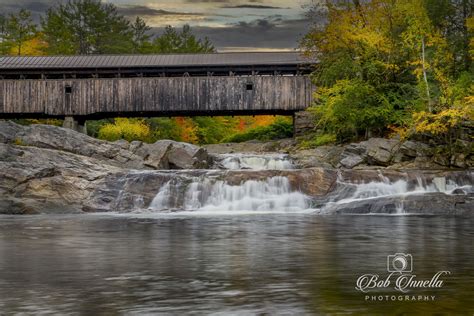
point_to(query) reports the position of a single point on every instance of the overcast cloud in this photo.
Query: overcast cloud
(230, 24)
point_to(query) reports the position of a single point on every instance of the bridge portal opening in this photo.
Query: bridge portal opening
(200, 130)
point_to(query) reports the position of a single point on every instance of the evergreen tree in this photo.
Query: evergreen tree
(86, 27)
(15, 31)
(172, 41)
(141, 36)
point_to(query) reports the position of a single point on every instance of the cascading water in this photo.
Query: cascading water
(393, 193)
(255, 162)
(209, 195)
(233, 191)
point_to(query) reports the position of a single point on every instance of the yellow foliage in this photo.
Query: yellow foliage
(55, 122)
(442, 122)
(33, 47)
(124, 128)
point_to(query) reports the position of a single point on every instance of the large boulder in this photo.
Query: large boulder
(164, 154)
(167, 154)
(34, 180)
(380, 151)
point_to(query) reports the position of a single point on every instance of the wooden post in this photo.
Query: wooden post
(75, 124)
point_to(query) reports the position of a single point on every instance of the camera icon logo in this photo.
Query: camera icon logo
(400, 262)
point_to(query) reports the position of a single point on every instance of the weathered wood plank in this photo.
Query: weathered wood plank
(171, 94)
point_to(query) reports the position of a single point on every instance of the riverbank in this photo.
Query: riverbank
(47, 169)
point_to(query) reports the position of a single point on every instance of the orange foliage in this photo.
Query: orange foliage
(188, 129)
(262, 120)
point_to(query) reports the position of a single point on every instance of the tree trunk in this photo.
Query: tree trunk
(424, 73)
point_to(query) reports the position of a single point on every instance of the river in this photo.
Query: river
(206, 243)
(246, 264)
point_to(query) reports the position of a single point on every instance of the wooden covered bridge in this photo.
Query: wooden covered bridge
(99, 86)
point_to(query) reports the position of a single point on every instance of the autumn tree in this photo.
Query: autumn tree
(396, 51)
(15, 31)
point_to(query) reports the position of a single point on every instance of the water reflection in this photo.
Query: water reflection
(274, 264)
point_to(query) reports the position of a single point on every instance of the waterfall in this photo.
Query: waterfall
(218, 196)
(352, 195)
(255, 162)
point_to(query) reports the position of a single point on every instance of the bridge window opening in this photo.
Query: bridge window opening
(249, 86)
(68, 89)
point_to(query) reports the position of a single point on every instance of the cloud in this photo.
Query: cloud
(250, 6)
(253, 30)
(142, 10)
(11, 6)
(260, 34)
(220, 1)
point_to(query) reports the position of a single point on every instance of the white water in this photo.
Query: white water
(255, 162)
(206, 195)
(400, 189)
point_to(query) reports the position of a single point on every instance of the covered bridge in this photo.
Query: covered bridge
(99, 86)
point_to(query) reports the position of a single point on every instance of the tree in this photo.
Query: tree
(32, 47)
(449, 17)
(398, 51)
(5, 44)
(172, 41)
(18, 29)
(141, 38)
(86, 27)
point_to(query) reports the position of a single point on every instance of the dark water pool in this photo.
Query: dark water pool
(236, 265)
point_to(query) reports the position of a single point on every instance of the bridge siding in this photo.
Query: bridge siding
(173, 94)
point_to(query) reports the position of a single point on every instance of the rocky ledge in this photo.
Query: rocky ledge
(373, 153)
(46, 169)
(164, 154)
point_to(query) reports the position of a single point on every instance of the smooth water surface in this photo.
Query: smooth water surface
(249, 264)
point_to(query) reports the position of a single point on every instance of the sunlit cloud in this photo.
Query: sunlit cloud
(231, 25)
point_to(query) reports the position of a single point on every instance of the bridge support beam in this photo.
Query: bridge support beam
(303, 122)
(75, 124)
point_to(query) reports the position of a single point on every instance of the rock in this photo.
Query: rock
(380, 150)
(8, 132)
(350, 161)
(154, 155)
(459, 160)
(322, 156)
(375, 151)
(441, 160)
(38, 180)
(167, 154)
(414, 149)
(187, 156)
(163, 154)
(426, 204)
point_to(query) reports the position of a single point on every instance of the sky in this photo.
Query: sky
(231, 25)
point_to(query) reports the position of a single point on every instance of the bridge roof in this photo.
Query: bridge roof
(152, 61)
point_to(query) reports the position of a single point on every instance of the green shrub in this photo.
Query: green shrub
(351, 109)
(318, 140)
(281, 128)
(49, 121)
